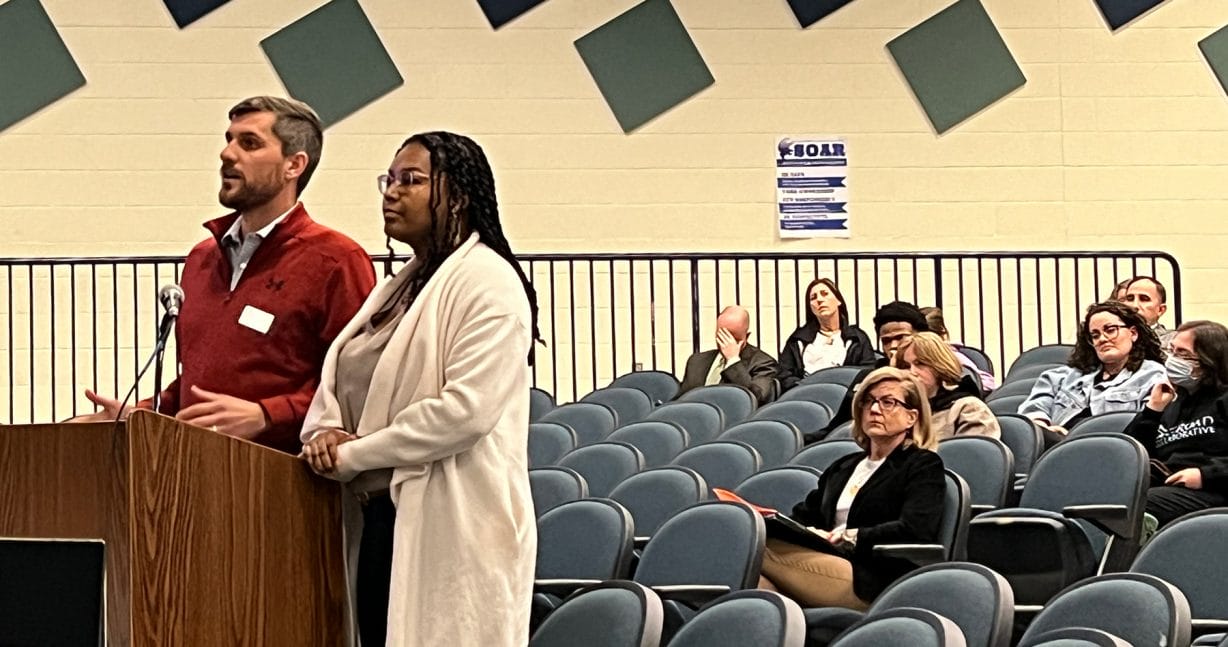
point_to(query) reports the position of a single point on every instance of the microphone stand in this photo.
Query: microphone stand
(164, 332)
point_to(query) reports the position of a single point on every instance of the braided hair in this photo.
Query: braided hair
(471, 198)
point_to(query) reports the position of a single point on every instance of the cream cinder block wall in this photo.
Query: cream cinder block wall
(1118, 141)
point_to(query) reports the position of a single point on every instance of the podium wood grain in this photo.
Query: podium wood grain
(71, 481)
(210, 540)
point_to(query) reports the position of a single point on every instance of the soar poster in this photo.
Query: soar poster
(811, 192)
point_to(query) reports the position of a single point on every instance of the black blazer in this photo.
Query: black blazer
(755, 370)
(902, 503)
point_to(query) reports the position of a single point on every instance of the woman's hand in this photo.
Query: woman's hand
(1161, 395)
(321, 452)
(1190, 477)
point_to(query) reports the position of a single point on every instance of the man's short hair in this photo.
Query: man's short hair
(297, 126)
(902, 311)
(1159, 286)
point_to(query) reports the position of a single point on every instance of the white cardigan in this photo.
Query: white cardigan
(448, 410)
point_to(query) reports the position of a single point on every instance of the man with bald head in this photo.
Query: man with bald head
(734, 361)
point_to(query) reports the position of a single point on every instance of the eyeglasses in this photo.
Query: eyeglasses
(886, 404)
(1109, 332)
(406, 178)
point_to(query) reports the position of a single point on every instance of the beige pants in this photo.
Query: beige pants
(811, 578)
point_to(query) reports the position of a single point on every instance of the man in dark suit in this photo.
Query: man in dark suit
(734, 361)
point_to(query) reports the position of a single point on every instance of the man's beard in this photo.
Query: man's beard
(249, 196)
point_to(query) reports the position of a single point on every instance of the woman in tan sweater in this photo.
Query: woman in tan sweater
(955, 401)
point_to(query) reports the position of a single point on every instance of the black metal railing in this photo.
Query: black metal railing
(72, 323)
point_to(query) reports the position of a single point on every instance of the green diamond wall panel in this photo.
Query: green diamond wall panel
(1215, 50)
(501, 12)
(333, 59)
(36, 68)
(644, 63)
(956, 63)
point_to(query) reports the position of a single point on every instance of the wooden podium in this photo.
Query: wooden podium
(210, 540)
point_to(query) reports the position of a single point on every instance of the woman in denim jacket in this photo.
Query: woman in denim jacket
(1115, 363)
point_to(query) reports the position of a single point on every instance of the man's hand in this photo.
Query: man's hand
(224, 413)
(110, 409)
(1190, 477)
(321, 452)
(728, 346)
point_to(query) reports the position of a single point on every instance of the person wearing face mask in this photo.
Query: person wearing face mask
(1113, 367)
(825, 339)
(1185, 425)
(955, 401)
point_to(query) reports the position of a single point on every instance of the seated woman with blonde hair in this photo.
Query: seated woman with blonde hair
(956, 407)
(891, 493)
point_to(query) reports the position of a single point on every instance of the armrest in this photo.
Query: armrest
(1109, 518)
(919, 554)
(692, 595)
(641, 542)
(981, 507)
(561, 588)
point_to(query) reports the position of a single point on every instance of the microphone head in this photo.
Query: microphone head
(171, 298)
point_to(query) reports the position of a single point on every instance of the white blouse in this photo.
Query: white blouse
(824, 352)
(862, 473)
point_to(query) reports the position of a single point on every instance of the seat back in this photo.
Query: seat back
(1023, 438)
(1189, 554)
(754, 617)
(972, 596)
(1030, 372)
(660, 386)
(1046, 354)
(552, 486)
(903, 627)
(723, 463)
(780, 488)
(968, 371)
(617, 613)
(984, 463)
(956, 515)
(710, 543)
(590, 539)
(978, 357)
(658, 440)
(842, 432)
(1113, 422)
(841, 375)
(655, 495)
(823, 454)
(1076, 637)
(736, 403)
(1094, 469)
(827, 394)
(540, 403)
(1018, 387)
(548, 442)
(775, 441)
(1140, 609)
(1006, 405)
(592, 422)
(702, 421)
(630, 405)
(808, 417)
(604, 465)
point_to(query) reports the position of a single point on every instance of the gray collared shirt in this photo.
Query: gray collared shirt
(240, 249)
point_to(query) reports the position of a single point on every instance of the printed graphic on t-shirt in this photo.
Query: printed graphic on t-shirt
(1204, 426)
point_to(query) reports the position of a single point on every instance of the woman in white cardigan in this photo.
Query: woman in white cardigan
(423, 405)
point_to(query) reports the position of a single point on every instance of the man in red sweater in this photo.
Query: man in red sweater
(265, 295)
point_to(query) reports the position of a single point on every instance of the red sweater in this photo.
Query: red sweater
(310, 278)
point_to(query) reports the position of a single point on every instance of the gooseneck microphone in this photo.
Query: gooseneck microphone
(171, 298)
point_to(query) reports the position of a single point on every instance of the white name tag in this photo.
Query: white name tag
(256, 319)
